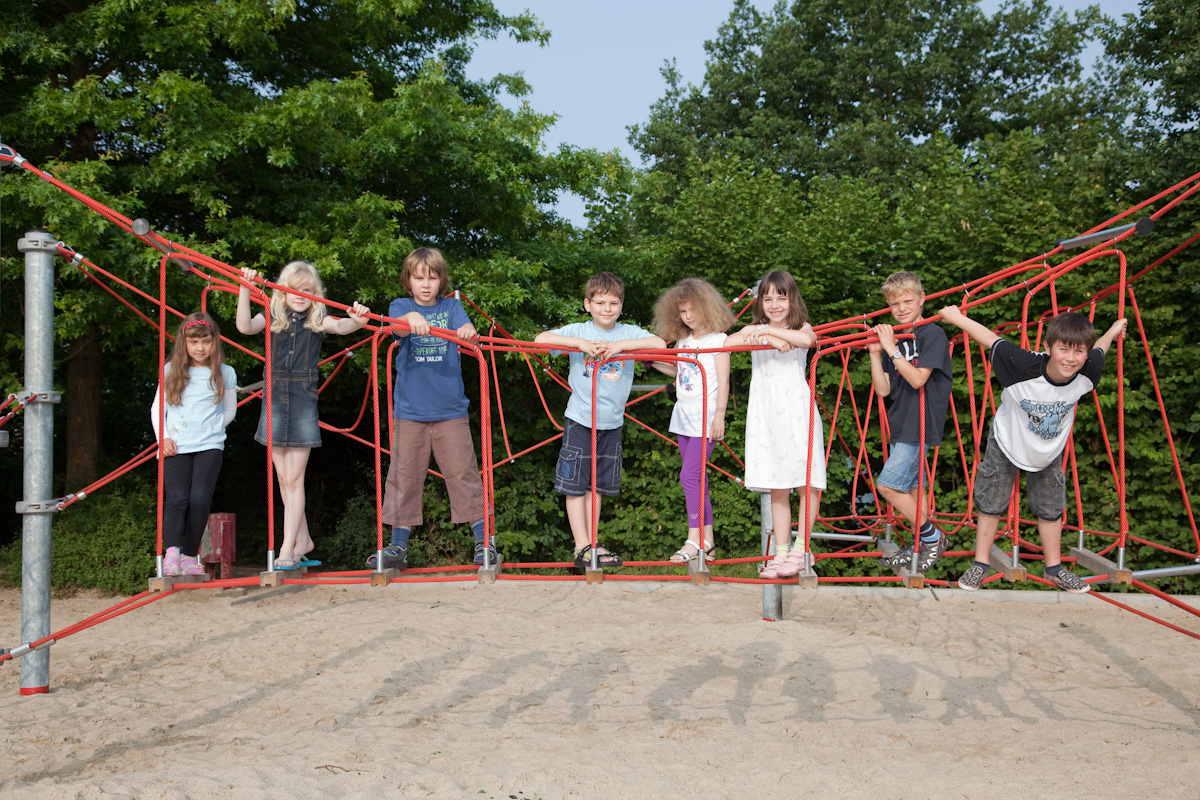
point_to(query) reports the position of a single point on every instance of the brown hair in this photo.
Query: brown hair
(433, 261)
(715, 316)
(194, 326)
(303, 276)
(605, 283)
(1070, 328)
(783, 283)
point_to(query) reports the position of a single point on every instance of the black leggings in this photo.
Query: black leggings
(189, 480)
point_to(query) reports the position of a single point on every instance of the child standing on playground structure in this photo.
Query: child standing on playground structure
(1030, 430)
(430, 410)
(777, 416)
(201, 400)
(694, 315)
(922, 362)
(298, 325)
(598, 340)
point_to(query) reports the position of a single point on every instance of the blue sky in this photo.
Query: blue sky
(600, 73)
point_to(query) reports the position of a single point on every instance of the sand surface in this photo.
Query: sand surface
(534, 690)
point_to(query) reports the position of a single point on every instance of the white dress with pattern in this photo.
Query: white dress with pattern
(777, 424)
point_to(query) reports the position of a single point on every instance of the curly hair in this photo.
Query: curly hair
(782, 282)
(706, 301)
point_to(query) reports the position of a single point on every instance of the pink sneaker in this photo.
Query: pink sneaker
(190, 565)
(792, 564)
(171, 562)
(772, 570)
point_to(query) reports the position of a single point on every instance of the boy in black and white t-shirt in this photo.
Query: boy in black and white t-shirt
(1030, 430)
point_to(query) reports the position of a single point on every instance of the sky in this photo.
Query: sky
(601, 71)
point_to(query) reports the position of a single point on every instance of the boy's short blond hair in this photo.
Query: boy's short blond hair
(899, 282)
(605, 283)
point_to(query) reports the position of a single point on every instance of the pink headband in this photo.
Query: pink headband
(196, 322)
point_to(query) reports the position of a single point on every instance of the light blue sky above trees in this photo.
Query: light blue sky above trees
(600, 73)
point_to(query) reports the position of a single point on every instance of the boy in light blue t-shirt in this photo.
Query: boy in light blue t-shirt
(598, 340)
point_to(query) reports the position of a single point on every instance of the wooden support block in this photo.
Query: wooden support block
(1002, 563)
(593, 576)
(913, 580)
(1098, 564)
(698, 569)
(268, 578)
(383, 577)
(168, 582)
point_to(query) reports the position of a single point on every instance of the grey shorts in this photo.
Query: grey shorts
(1046, 491)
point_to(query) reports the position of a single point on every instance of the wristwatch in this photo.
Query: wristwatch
(897, 354)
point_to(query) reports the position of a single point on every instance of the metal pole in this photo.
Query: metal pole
(39, 248)
(772, 592)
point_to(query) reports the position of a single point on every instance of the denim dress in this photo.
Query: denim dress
(294, 356)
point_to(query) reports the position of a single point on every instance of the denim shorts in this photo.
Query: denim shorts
(573, 474)
(903, 467)
(1046, 490)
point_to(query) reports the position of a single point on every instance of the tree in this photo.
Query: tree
(830, 87)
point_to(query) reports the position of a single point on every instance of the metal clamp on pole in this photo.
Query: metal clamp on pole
(26, 649)
(8, 153)
(142, 229)
(40, 506)
(26, 398)
(1143, 225)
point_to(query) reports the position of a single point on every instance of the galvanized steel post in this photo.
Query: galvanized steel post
(39, 248)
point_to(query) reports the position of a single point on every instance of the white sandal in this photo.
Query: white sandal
(683, 555)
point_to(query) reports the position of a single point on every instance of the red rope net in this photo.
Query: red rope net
(850, 419)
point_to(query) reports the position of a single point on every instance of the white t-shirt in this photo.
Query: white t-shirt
(689, 387)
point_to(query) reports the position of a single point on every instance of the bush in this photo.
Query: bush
(105, 542)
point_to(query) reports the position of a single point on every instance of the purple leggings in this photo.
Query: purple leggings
(694, 453)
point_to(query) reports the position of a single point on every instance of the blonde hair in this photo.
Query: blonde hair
(782, 282)
(433, 261)
(706, 301)
(899, 282)
(194, 326)
(303, 276)
(605, 283)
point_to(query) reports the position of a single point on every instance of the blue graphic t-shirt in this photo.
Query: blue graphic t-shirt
(1036, 413)
(429, 384)
(614, 379)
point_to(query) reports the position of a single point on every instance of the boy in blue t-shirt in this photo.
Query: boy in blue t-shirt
(430, 410)
(598, 340)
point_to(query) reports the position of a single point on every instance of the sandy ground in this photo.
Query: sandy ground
(531, 690)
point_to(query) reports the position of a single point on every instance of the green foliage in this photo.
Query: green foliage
(104, 542)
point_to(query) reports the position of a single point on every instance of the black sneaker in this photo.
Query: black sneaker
(972, 578)
(900, 558)
(492, 555)
(394, 557)
(1070, 582)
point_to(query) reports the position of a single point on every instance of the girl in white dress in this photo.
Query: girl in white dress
(695, 316)
(777, 418)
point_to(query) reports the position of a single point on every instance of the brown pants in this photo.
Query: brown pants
(451, 444)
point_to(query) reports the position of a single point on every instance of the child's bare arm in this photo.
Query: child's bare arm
(466, 332)
(1116, 331)
(666, 367)
(976, 330)
(645, 343)
(247, 322)
(595, 349)
(718, 426)
(344, 325)
(915, 376)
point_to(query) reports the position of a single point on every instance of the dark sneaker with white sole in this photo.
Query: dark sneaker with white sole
(394, 557)
(493, 556)
(972, 579)
(1070, 582)
(931, 553)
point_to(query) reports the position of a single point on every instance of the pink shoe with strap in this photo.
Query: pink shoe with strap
(171, 562)
(772, 570)
(190, 565)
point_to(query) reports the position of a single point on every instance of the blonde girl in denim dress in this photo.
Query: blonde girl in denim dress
(298, 325)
